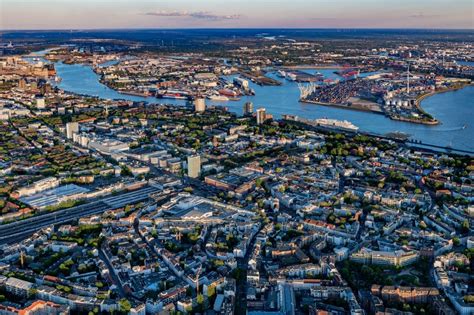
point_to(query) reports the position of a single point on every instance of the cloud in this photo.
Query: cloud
(421, 15)
(201, 15)
(324, 18)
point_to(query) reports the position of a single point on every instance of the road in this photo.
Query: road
(113, 275)
(240, 306)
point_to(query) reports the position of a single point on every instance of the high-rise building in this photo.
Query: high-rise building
(199, 105)
(46, 88)
(248, 108)
(40, 103)
(194, 166)
(71, 129)
(22, 84)
(261, 116)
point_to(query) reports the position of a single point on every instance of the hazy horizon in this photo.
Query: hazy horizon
(242, 14)
(229, 28)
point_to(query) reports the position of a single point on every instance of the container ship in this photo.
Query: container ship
(348, 73)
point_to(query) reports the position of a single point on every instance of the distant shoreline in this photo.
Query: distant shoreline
(302, 67)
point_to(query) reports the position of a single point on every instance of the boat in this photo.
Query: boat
(281, 73)
(325, 122)
(176, 96)
(291, 76)
(218, 98)
(228, 92)
(172, 94)
(398, 135)
(242, 83)
(134, 93)
(350, 75)
(336, 124)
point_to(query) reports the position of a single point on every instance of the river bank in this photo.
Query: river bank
(310, 67)
(454, 109)
(344, 106)
(422, 97)
(426, 95)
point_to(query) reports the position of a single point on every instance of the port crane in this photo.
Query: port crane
(306, 90)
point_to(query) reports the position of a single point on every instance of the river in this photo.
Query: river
(454, 109)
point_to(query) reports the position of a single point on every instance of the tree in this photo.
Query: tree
(189, 291)
(64, 268)
(31, 292)
(211, 291)
(125, 171)
(125, 305)
(456, 241)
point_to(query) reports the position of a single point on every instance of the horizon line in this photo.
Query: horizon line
(235, 28)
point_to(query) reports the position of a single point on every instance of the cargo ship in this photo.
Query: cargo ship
(348, 73)
(351, 75)
(242, 83)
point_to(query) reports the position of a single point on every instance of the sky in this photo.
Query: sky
(99, 14)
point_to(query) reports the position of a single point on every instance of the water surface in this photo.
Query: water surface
(454, 109)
